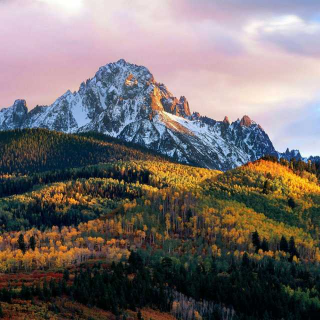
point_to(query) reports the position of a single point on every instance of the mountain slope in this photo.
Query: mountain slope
(123, 100)
(192, 238)
(38, 150)
(284, 195)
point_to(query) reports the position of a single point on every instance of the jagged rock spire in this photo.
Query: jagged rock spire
(245, 121)
(14, 116)
(226, 120)
(185, 109)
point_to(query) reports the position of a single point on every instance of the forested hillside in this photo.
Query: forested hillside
(37, 150)
(130, 234)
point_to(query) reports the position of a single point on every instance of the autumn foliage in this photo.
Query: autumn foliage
(189, 222)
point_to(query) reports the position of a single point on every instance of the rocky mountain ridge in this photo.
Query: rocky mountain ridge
(123, 100)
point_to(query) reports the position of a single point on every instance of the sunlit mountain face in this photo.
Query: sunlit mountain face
(124, 101)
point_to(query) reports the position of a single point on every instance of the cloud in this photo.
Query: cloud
(235, 11)
(288, 32)
(67, 7)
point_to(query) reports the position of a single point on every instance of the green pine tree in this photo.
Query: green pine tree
(21, 243)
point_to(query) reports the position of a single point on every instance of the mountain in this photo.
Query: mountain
(124, 100)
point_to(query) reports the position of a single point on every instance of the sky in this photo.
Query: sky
(228, 57)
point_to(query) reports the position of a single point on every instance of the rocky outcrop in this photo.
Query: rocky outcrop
(291, 154)
(13, 117)
(245, 121)
(226, 120)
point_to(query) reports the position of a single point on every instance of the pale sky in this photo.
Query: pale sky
(228, 57)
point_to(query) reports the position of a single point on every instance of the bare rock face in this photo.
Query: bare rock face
(245, 121)
(184, 107)
(226, 120)
(13, 117)
(124, 100)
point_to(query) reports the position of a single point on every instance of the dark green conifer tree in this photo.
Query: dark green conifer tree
(32, 243)
(265, 245)
(292, 248)
(284, 244)
(21, 243)
(256, 240)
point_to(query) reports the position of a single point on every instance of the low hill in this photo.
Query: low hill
(276, 190)
(37, 150)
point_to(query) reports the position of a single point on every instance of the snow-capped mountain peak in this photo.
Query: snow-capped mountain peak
(124, 100)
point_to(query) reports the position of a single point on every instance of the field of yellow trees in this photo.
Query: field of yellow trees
(177, 202)
(144, 220)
